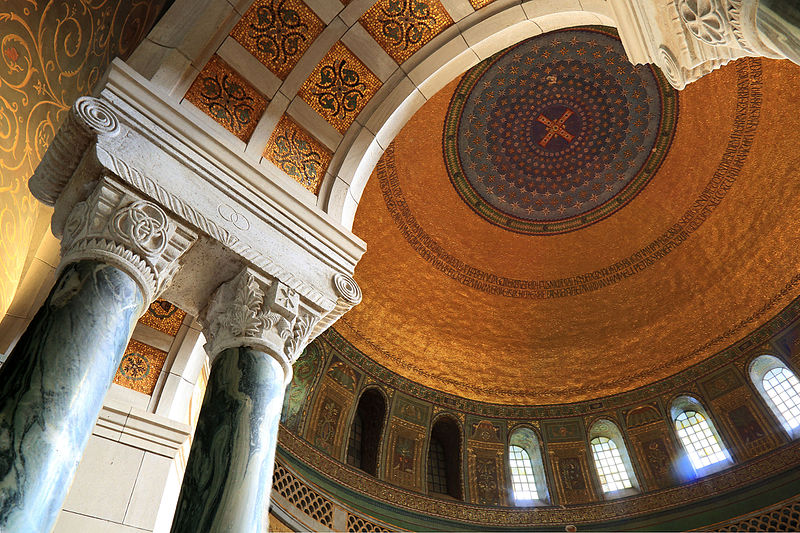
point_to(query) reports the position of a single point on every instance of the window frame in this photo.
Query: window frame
(758, 368)
(685, 403)
(527, 438)
(609, 429)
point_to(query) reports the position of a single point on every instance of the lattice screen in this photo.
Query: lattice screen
(305, 499)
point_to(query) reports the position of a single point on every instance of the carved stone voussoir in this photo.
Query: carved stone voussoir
(88, 118)
(251, 310)
(118, 227)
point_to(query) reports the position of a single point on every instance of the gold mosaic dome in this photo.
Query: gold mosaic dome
(704, 252)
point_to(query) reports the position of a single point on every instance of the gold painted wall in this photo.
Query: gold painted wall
(50, 54)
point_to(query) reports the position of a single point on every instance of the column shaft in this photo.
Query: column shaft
(228, 476)
(52, 388)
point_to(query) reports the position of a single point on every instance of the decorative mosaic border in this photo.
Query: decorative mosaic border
(664, 137)
(740, 348)
(748, 110)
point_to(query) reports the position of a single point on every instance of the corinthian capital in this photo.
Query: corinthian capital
(119, 227)
(251, 310)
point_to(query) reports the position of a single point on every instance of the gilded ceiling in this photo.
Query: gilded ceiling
(704, 252)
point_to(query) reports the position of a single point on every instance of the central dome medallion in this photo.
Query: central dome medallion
(557, 132)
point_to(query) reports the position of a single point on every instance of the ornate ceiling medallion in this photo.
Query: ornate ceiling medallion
(557, 132)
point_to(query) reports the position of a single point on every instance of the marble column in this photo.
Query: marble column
(256, 328)
(117, 251)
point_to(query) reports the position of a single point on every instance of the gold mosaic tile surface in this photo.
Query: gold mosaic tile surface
(298, 153)
(163, 316)
(402, 27)
(477, 4)
(229, 99)
(278, 33)
(140, 367)
(339, 87)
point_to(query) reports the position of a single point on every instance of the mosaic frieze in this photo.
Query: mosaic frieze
(278, 33)
(228, 98)
(402, 27)
(339, 87)
(721, 383)
(164, 317)
(296, 152)
(140, 367)
(563, 430)
(641, 416)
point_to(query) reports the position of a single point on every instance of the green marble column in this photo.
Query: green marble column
(228, 477)
(52, 388)
(779, 24)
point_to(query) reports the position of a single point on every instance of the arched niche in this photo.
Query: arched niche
(526, 439)
(612, 463)
(366, 431)
(443, 468)
(699, 456)
(779, 387)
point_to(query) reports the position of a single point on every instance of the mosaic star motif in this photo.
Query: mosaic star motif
(557, 132)
(278, 33)
(477, 4)
(164, 317)
(339, 87)
(295, 151)
(402, 27)
(227, 98)
(140, 367)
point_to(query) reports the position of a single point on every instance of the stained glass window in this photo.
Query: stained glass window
(783, 388)
(610, 467)
(522, 479)
(700, 442)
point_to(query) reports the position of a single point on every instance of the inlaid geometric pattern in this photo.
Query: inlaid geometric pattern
(278, 33)
(402, 27)
(140, 367)
(783, 388)
(522, 479)
(295, 151)
(697, 438)
(339, 87)
(164, 317)
(610, 468)
(227, 98)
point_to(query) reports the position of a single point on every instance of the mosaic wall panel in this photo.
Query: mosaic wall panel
(50, 53)
(278, 33)
(402, 27)
(306, 369)
(571, 472)
(486, 464)
(790, 343)
(743, 423)
(566, 430)
(327, 426)
(225, 96)
(656, 454)
(339, 87)
(164, 317)
(140, 367)
(404, 462)
(295, 151)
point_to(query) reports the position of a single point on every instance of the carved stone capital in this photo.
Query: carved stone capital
(265, 314)
(87, 119)
(120, 228)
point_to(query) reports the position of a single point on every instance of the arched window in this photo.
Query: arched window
(697, 434)
(365, 432)
(444, 459)
(611, 460)
(528, 483)
(780, 389)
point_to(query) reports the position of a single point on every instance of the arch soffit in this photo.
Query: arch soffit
(457, 49)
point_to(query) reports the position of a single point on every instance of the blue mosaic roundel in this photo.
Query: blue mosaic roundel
(557, 132)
